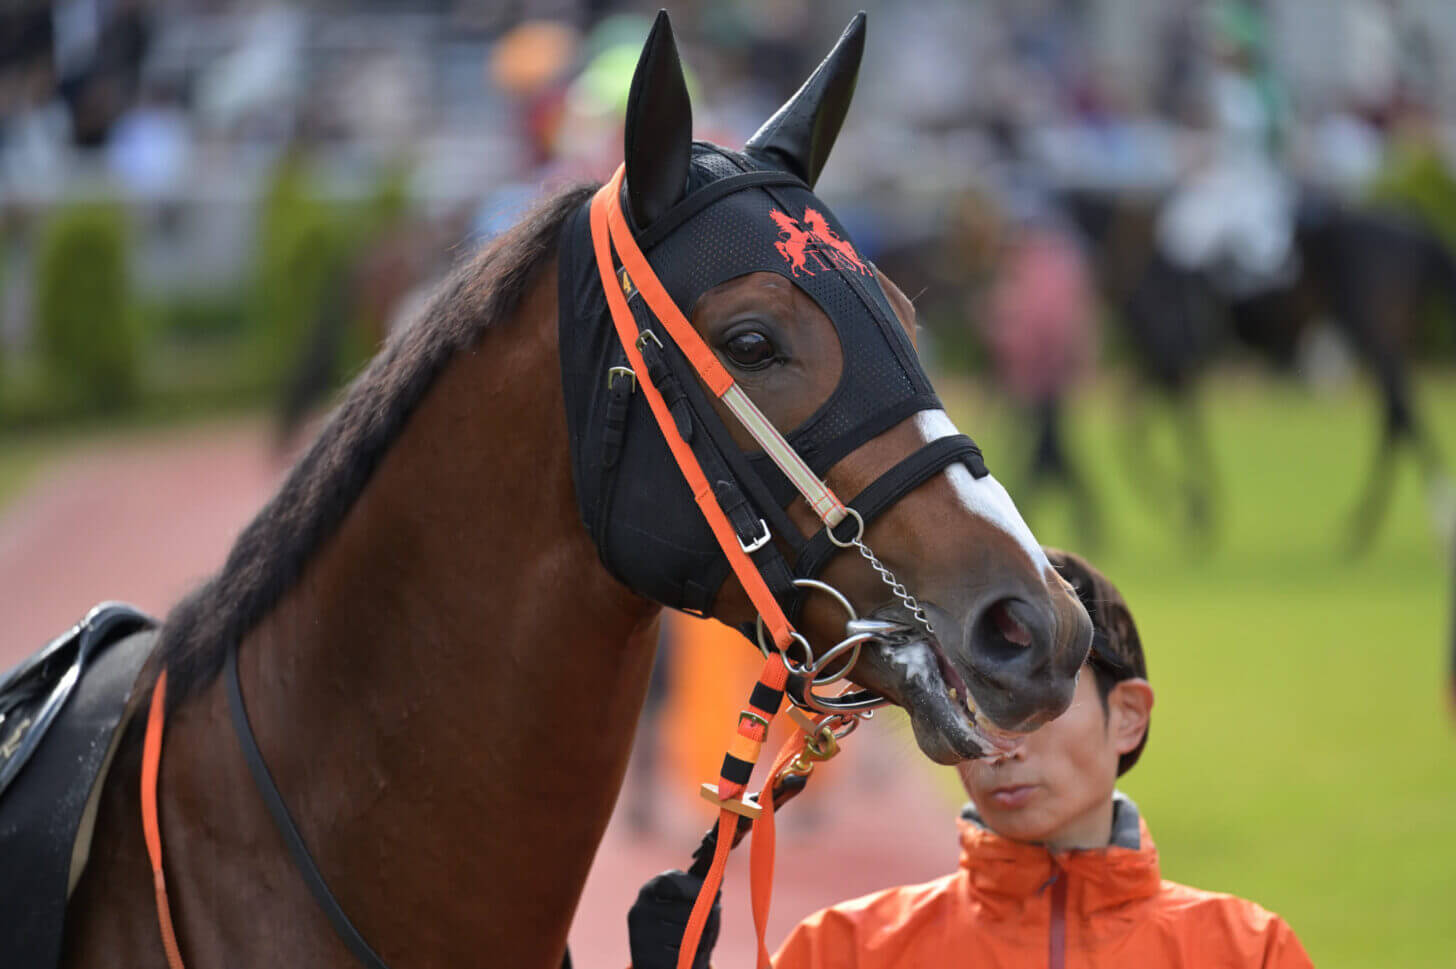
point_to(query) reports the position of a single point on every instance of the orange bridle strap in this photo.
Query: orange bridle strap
(761, 852)
(151, 829)
(609, 232)
(603, 238)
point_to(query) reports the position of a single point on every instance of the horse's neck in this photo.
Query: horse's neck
(448, 696)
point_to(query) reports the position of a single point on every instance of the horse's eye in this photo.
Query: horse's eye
(750, 350)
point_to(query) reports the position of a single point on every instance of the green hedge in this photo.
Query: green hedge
(86, 330)
(307, 247)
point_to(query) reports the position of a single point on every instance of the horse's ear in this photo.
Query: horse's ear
(799, 135)
(658, 141)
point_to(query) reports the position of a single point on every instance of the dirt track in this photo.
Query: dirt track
(146, 518)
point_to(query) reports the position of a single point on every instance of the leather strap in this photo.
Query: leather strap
(889, 488)
(284, 822)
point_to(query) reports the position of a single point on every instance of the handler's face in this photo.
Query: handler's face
(1057, 788)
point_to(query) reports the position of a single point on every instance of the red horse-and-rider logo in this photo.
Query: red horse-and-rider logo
(811, 245)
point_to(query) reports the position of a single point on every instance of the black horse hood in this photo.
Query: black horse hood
(739, 216)
(703, 215)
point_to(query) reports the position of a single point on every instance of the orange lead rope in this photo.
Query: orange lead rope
(151, 760)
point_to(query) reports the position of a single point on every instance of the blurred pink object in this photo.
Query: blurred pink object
(1040, 322)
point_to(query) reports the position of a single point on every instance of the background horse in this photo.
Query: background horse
(1372, 273)
(441, 674)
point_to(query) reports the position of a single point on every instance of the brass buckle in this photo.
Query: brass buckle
(819, 746)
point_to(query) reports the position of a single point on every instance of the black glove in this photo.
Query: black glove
(657, 920)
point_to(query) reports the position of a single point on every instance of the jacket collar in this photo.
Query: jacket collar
(1000, 871)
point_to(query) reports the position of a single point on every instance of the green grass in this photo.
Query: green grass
(1302, 753)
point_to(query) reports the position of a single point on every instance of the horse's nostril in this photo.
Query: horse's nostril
(1003, 634)
(1011, 628)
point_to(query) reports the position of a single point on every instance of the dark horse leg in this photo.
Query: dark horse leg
(1375, 499)
(1385, 269)
(1193, 486)
(1401, 430)
(1051, 465)
(1172, 320)
(1200, 477)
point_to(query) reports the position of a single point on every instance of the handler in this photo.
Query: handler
(1057, 868)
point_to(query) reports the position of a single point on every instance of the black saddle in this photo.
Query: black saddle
(61, 714)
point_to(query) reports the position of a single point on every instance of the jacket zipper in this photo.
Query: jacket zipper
(1057, 933)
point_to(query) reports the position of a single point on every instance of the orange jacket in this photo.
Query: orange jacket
(1013, 906)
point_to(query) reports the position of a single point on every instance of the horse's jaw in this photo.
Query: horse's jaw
(916, 676)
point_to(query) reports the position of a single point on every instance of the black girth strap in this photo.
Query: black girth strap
(284, 822)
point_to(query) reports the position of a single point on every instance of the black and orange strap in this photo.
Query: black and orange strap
(610, 234)
(604, 240)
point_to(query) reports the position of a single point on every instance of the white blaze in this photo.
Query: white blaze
(982, 497)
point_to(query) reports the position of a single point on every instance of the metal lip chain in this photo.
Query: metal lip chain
(858, 632)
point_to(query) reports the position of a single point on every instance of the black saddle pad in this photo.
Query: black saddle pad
(61, 711)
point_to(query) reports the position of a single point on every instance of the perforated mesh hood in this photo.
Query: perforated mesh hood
(786, 229)
(738, 217)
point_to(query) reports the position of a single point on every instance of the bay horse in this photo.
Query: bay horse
(1371, 272)
(441, 665)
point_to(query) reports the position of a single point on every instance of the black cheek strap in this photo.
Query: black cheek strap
(890, 487)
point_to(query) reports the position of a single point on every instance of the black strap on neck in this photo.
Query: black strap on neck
(284, 822)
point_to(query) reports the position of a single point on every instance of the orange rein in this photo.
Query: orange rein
(151, 829)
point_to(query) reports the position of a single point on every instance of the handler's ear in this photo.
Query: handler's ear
(1129, 705)
(658, 139)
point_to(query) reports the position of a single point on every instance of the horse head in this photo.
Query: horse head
(977, 636)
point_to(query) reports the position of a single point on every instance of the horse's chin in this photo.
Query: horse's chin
(947, 731)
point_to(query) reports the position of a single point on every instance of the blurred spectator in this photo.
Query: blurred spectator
(1041, 330)
(150, 149)
(261, 80)
(99, 51)
(1232, 217)
(1040, 324)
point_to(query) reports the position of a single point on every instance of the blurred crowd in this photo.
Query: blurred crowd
(971, 117)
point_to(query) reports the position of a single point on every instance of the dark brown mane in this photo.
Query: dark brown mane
(273, 550)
